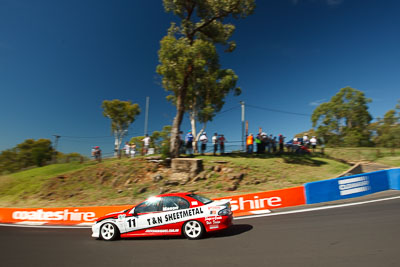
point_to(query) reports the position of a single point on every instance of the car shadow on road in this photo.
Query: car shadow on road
(235, 229)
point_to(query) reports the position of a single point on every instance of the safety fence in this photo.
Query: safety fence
(242, 205)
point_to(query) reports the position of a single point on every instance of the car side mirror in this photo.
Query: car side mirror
(133, 212)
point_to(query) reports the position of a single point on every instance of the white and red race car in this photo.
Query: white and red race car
(168, 214)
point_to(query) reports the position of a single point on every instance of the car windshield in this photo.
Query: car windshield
(202, 199)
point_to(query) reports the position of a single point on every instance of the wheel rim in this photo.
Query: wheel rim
(107, 231)
(193, 229)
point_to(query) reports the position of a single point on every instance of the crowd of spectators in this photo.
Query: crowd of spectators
(264, 143)
(186, 144)
(259, 144)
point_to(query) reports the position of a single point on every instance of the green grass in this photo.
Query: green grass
(355, 154)
(120, 182)
(390, 161)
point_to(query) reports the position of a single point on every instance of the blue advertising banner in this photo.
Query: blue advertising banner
(394, 178)
(346, 187)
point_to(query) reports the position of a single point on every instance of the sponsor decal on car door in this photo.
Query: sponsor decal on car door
(150, 220)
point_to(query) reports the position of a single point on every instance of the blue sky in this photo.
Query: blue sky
(60, 59)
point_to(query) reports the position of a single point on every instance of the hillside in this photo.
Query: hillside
(126, 181)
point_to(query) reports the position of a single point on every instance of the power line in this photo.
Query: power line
(85, 137)
(227, 110)
(280, 111)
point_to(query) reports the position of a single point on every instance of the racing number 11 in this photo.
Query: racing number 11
(132, 223)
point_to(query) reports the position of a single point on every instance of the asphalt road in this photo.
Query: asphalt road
(364, 235)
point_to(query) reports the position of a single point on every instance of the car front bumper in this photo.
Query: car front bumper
(96, 230)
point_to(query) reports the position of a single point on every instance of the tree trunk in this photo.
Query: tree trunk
(194, 131)
(116, 146)
(117, 143)
(180, 111)
(197, 137)
(175, 140)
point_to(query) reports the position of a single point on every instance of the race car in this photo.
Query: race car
(168, 214)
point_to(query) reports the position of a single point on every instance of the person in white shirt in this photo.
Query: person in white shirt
(127, 149)
(215, 143)
(313, 142)
(203, 140)
(133, 150)
(146, 144)
(305, 140)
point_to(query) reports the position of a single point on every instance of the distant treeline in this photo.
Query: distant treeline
(29, 153)
(346, 121)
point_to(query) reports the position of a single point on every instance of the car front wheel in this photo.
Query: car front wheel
(193, 230)
(109, 231)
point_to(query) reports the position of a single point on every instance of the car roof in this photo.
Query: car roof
(174, 194)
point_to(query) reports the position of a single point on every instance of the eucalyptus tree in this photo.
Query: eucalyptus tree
(122, 114)
(387, 129)
(189, 58)
(345, 119)
(208, 99)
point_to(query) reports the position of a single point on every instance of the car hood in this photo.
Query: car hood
(111, 215)
(221, 202)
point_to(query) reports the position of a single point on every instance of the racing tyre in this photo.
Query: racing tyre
(193, 230)
(109, 231)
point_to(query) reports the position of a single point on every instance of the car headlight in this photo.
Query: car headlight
(224, 212)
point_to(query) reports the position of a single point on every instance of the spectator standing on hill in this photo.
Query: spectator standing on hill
(313, 142)
(146, 144)
(274, 144)
(127, 149)
(189, 143)
(281, 141)
(214, 140)
(264, 138)
(258, 143)
(306, 141)
(249, 143)
(133, 150)
(221, 141)
(203, 140)
(270, 143)
(97, 153)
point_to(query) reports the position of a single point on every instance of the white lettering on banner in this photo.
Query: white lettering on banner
(254, 204)
(65, 215)
(354, 185)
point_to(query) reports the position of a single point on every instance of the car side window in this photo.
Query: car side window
(174, 203)
(149, 205)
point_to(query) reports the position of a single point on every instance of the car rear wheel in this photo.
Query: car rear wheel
(193, 230)
(109, 231)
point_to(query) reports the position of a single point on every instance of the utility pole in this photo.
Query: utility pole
(242, 104)
(146, 115)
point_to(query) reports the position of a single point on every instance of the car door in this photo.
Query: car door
(170, 205)
(145, 215)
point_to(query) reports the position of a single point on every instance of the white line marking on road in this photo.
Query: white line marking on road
(315, 209)
(31, 223)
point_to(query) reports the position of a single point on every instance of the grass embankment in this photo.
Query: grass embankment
(386, 156)
(126, 181)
